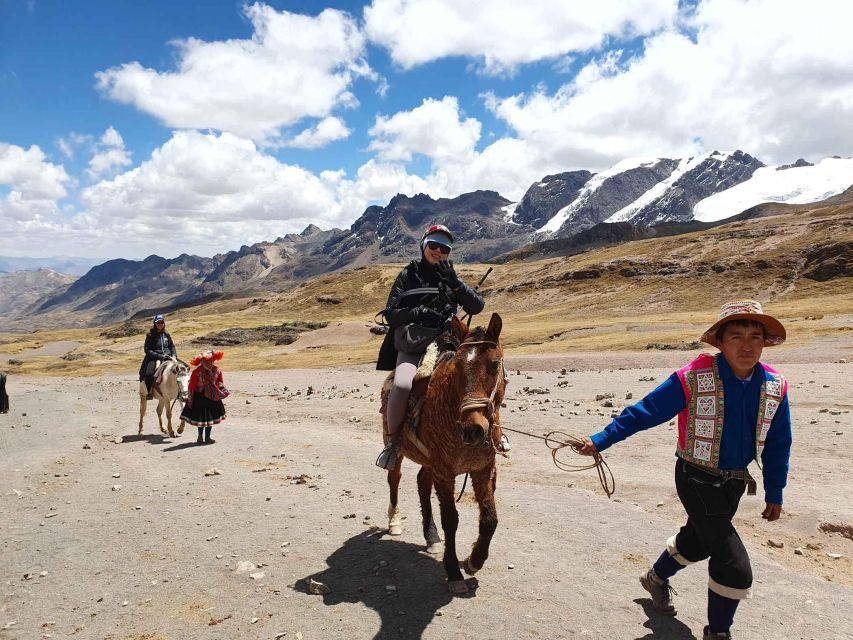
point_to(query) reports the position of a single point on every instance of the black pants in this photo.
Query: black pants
(711, 504)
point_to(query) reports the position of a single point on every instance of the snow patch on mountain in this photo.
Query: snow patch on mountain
(796, 185)
(509, 212)
(592, 185)
(657, 191)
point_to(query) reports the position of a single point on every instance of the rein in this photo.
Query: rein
(555, 444)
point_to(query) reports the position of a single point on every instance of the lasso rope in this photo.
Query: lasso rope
(559, 440)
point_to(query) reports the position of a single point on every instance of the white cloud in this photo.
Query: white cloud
(28, 173)
(69, 144)
(326, 131)
(769, 77)
(294, 67)
(433, 129)
(438, 131)
(506, 33)
(205, 193)
(109, 155)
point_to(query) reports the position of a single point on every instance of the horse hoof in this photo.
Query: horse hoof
(436, 548)
(171, 433)
(395, 530)
(467, 567)
(457, 587)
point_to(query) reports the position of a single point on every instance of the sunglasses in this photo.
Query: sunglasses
(160, 322)
(437, 246)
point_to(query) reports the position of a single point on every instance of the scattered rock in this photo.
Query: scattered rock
(116, 475)
(244, 565)
(213, 472)
(257, 576)
(834, 556)
(86, 445)
(116, 487)
(799, 551)
(776, 544)
(329, 300)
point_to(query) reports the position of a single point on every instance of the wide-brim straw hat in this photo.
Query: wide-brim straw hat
(746, 310)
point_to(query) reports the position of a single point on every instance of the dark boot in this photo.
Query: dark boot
(707, 635)
(149, 382)
(207, 438)
(661, 593)
(200, 439)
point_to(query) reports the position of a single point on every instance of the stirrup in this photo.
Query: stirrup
(388, 457)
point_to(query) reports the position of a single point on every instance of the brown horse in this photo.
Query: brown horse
(456, 435)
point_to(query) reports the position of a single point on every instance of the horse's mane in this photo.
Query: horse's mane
(448, 344)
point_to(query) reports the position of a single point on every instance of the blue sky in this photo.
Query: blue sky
(166, 127)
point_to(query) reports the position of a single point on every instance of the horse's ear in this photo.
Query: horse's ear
(457, 329)
(495, 326)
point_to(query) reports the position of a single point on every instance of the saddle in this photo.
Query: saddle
(416, 397)
(158, 374)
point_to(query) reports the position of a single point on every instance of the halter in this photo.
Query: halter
(472, 404)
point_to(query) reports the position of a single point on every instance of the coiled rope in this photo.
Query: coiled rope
(558, 441)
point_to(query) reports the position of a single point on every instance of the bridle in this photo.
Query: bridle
(475, 403)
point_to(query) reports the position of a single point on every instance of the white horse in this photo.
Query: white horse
(174, 381)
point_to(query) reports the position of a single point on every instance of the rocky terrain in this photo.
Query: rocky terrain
(20, 290)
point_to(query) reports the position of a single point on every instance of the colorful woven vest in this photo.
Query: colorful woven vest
(700, 423)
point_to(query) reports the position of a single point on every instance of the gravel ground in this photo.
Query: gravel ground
(104, 534)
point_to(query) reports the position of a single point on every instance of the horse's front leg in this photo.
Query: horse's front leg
(484, 482)
(433, 541)
(395, 522)
(160, 403)
(169, 419)
(143, 404)
(449, 523)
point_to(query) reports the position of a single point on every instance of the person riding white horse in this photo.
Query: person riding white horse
(158, 346)
(174, 382)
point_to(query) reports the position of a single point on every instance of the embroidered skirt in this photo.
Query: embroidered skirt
(204, 412)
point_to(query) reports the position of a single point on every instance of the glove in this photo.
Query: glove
(428, 317)
(447, 273)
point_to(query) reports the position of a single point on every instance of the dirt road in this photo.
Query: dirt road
(131, 540)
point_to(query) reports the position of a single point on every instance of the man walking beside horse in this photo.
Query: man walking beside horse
(731, 409)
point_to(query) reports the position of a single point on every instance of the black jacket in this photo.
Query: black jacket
(157, 347)
(400, 309)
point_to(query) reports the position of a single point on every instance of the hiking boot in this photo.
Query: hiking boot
(503, 444)
(388, 458)
(200, 440)
(721, 635)
(661, 592)
(209, 441)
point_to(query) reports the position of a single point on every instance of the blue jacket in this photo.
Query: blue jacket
(737, 448)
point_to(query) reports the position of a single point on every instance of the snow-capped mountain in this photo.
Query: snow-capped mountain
(642, 191)
(800, 183)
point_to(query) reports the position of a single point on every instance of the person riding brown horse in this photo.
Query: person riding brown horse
(455, 435)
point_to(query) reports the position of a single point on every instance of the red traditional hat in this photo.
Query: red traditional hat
(746, 310)
(207, 355)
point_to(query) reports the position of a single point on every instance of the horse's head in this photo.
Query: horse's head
(182, 376)
(480, 362)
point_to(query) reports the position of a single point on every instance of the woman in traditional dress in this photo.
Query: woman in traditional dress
(206, 391)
